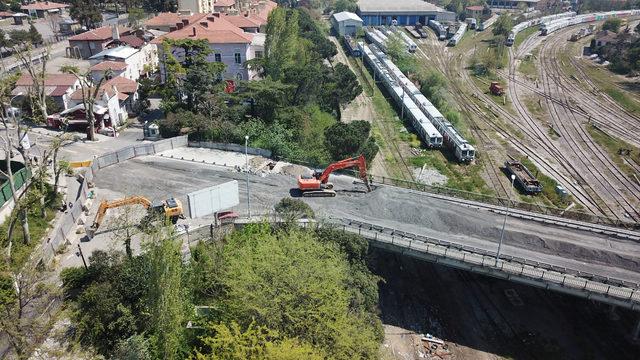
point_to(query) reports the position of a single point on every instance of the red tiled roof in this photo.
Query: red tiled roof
(132, 41)
(6, 14)
(59, 91)
(225, 3)
(475, 8)
(243, 21)
(123, 85)
(216, 30)
(46, 5)
(109, 65)
(171, 19)
(102, 33)
(49, 80)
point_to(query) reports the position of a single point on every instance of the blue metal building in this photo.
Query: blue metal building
(401, 12)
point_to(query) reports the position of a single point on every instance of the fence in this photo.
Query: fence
(230, 147)
(19, 178)
(621, 292)
(69, 221)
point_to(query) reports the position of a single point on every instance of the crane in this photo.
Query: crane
(318, 185)
(171, 208)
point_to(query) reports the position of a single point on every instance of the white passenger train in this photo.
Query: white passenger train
(430, 124)
(541, 20)
(376, 61)
(549, 27)
(439, 29)
(455, 39)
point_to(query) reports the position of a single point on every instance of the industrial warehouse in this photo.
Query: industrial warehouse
(401, 12)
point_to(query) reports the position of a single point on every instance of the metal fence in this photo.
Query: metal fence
(20, 177)
(69, 221)
(621, 292)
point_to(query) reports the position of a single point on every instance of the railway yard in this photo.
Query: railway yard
(547, 119)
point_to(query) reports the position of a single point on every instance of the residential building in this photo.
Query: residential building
(94, 41)
(57, 86)
(6, 14)
(117, 68)
(134, 59)
(115, 100)
(474, 11)
(229, 44)
(223, 6)
(44, 8)
(605, 37)
(401, 12)
(69, 26)
(346, 23)
(173, 21)
(245, 22)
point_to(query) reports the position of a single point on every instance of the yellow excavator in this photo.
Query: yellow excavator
(171, 208)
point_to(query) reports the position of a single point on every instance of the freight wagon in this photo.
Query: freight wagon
(525, 180)
(441, 31)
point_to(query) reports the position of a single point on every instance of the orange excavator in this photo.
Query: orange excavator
(318, 185)
(171, 208)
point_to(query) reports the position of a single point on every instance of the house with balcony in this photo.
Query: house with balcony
(229, 44)
(42, 9)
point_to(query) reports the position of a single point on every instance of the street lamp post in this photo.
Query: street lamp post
(506, 214)
(13, 113)
(246, 159)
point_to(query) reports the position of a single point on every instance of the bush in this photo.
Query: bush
(294, 209)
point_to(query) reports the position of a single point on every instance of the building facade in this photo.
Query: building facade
(401, 12)
(346, 23)
(94, 41)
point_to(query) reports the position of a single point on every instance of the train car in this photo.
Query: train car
(525, 180)
(440, 30)
(411, 30)
(554, 25)
(374, 38)
(422, 32)
(458, 35)
(411, 45)
(510, 39)
(351, 46)
(472, 22)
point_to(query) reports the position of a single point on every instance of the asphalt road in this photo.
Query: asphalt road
(158, 178)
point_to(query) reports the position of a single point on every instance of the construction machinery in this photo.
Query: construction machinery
(318, 185)
(171, 208)
(496, 89)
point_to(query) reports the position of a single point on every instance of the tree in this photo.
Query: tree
(90, 93)
(346, 86)
(349, 140)
(345, 5)
(19, 38)
(135, 16)
(254, 343)
(24, 296)
(503, 25)
(86, 12)
(167, 295)
(290, 282)
(34, 36)
(53, 21)
(291, 210)
(612, 24)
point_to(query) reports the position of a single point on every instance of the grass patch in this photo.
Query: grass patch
(459, 177)
(38, 227)
(612, 146)
(523, 35)
(528, 67)
(549, 195)
(621, 98)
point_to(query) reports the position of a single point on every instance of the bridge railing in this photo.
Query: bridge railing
(567, 278)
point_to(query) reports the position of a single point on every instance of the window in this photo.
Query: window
(218, 57)
(238, 58)
(258, 54)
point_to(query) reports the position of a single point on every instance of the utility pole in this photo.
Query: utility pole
(246, 159)
(82, 257)
(506, 214)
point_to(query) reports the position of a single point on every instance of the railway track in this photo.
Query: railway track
(612, 185)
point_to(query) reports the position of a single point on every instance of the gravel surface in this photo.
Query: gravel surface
(158, 178)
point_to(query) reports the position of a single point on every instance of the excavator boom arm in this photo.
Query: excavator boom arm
(359, 161)
(106, 205)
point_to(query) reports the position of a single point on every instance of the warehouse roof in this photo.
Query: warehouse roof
(398, 6)
(345, 15)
